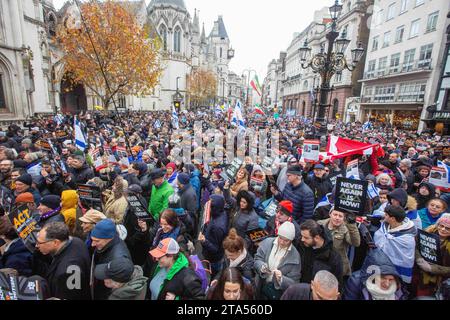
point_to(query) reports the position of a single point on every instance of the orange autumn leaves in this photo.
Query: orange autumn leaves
(128, 55)
(202, 86)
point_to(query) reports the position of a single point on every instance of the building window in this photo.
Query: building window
(3, 106)
(399, 34)
(432, 21)
(379, 18)
(163, 35)
(177, 40)
(403, 6)
(425, 55)
(386, 39)
(412, 91)
(382, 65)
(371, 68)
(221, 53)
(305, 85)
(414, 32)
(335, 108)
(338, 77)
(384, 94)
(395, 63)
(419, 2)
(391, 12)
(375, 41)
(408, 61)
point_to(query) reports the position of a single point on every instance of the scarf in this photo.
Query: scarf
(172, 177)
(278, 224)
(50, 214)
(235, 263)
(379, 294)
(432, 220)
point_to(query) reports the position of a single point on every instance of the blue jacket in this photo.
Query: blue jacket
(17, 257)
(216, 230)
(426, 218)
(356, 284)
(195, 183)
(303, 199)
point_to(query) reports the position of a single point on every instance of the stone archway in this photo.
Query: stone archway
(73, 96)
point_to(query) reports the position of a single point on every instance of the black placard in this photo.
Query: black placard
(232, 170)
(19, 288)
(257, 235)
(90, 196)
(139, 208)
(351, 195)
(25, 224)
(430, 247)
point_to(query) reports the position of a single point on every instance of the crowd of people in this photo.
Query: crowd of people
(195, 238)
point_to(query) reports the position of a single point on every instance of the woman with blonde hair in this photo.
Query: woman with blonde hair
(241, 182)
(384, 182)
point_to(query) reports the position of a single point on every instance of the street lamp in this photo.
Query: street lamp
(331, 62)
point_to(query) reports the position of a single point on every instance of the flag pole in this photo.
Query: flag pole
(104, 76)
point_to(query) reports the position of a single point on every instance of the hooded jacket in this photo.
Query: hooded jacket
(69, 203)
(303, 199)
(188, 199)
(355, 288)
(17, 257)
(159, 200)
(422, 200)
(399, 245)
(427, 219)
(135, 289)
(216, 230)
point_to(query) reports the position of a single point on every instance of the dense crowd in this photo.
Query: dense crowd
(195, 237)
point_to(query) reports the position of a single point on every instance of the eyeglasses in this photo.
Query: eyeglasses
(446, 229)
(43, 242)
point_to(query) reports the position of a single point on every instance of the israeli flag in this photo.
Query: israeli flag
(237, 119)
(373, 191)
(80, 139)
(367, 126)
(174, 118)
(157, 124)
(58, 118)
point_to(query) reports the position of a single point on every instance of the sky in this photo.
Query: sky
(258, 29)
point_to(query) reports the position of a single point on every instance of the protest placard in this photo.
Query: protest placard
(430, 247)
(138, 207)
(256, 184)
(439, 178)
(271, 209)
(90, 196)
(19, 288)
(311, 150)
(352, 171)
(61, 134)
(25, 224)
(43, 145)
(257, 235)
(268, 165)
(351, 195)
(233, 168)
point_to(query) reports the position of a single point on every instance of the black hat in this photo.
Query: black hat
(157, 173)
(25, 179)
(119, 270)
(297, 170)
(135, 188)
(51, 201)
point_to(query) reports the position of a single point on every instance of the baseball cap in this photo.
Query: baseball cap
(319, 166)
(119, 270)
(166, 246)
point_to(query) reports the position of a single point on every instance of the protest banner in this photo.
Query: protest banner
(271, 209)
(351, 195)
(268, 165)
(352, 171)
(430, 247)
(138, 207)
(206, 216)
(25, 224)
(14, 288)
(43, 144)
(232, 170)
(256, 184)
(257, 235)
(90, 196)
(123, 158)
(311, 150)
(333, 177)
(439, 178)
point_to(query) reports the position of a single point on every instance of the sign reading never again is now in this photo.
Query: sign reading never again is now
(351, 195)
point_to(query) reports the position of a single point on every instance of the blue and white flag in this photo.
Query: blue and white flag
(237, 119)
(80, 139)
(312, 95)
(175, 118)
(367, 126)
(373, 191)
(58, 118)
(157, 124)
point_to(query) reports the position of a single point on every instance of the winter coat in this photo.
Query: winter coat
(74, 254)
(80, 176)
(196, 184)
(53, 217)
(239, 186)
(115, 209)
(113, 250)
(216, 231)
(399, 245)
(135, 289)
(356, 289)
(181, 281)
(160, 199)
(345, 236)
(188, 199)
(428, 276)
(426, 218)
(69, 201)
(298, 291)
(17, 257)
(423, 200)
(303, 199)
(245, 267)
(319, 186)
(324, 258)
(290, 266)
(272, 230)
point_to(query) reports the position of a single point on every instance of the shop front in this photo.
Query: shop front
(405, 119)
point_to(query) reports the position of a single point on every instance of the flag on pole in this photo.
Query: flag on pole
(367, 126)
(340, 148)
(80, 140)
(253, 84)
(174, 118)
(58, 118)
(258, 85)
(259, 110)
(157, 124)
(238, 119)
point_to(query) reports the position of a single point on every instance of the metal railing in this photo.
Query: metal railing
(405, 67)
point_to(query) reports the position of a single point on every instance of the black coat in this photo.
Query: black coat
(113, 250)
(184, 284)
(17, 257)
(71, 266)
(245, 267)
(188, 199)
(320, 187)
(298, 291)
(325, 258)
(57, 217)
(80, 176)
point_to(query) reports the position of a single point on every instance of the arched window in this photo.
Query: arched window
(5, 86)
(303, 108)
(177, 40)
(51, 24)
(163, 35)
(335, 108)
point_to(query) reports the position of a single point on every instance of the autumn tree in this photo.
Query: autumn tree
(110, 39)
(202, 87)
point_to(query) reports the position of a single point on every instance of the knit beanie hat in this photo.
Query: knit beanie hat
(26, 197)
(25, 179)
(287, 230)
(51, 201)
(183, 178)
(105, 229)
(445, 220)
(287, 207)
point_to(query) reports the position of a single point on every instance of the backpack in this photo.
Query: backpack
(202, 272)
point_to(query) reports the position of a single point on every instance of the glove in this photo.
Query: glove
(351, 218)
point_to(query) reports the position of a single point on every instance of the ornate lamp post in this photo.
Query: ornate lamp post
(329, 63)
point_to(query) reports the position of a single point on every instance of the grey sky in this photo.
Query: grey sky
(258, 29)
